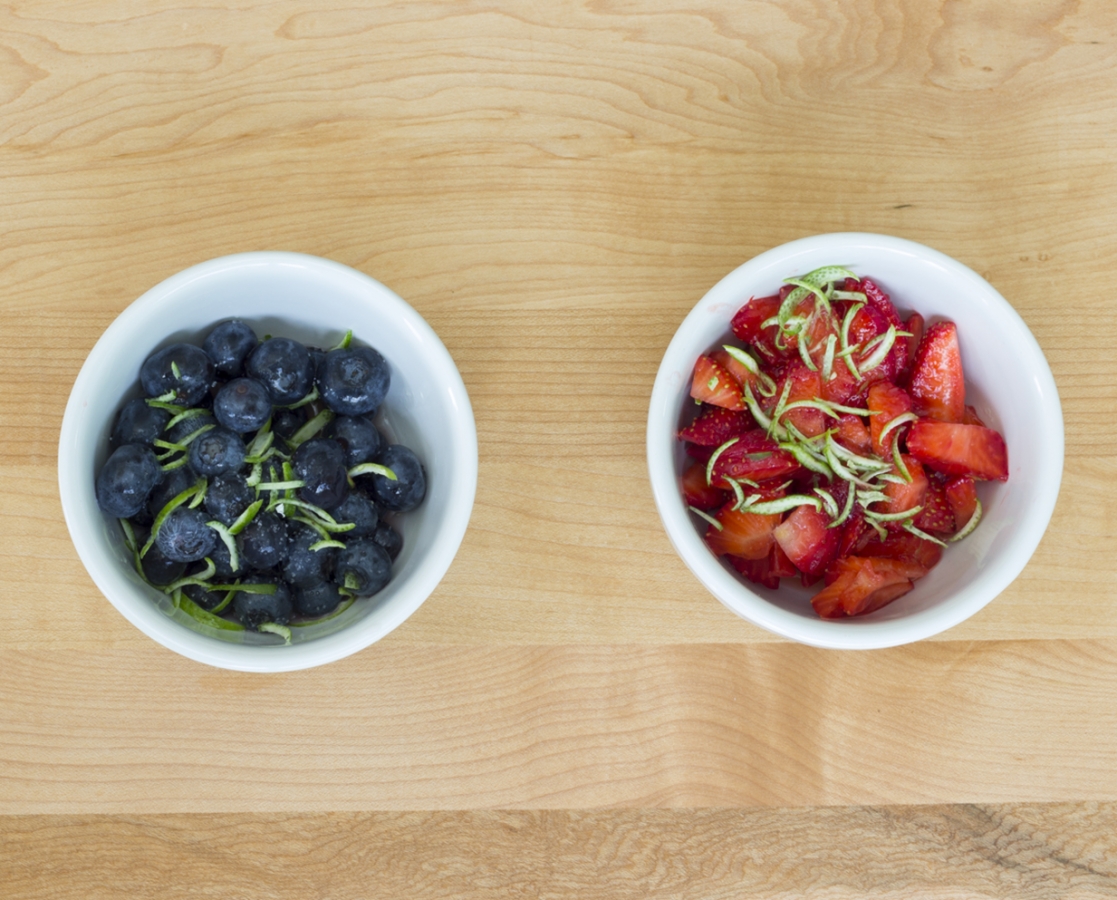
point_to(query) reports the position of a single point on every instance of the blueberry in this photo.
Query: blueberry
(388, 538)
(283, 366)
(216, 452)
(191, 384)
(223, 562)
(359, 510)
(185, 536)
(363, 567)
(228, 496)
(264, 543)
(410, 486)
(180, 431)
(304, 565)
(174, 483)
(204, 598)
(285, 422)
(139, 423)
(160, 570)
(321, 464)
(242, 405)
(126, 480)
(228, 345)
(353, 382)
(358, 438)
(254, 610)
(316, 599)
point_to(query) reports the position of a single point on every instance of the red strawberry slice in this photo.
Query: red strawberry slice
(853, 435)
(889, 402)
(915, 326)
(740, 372)
(970, 417)
(699, 453)
(959, 449)
(841, 386)
(905, 546)
(880, 301)
(804, 385)
(758, 571)
(961, 494)
(715, 425)
(746, 325)
(936, 386)
(781, 566)
(741, 534)
(860, 585)
(808, 542)
(937, 515)
(754, 456)
(698, 493)
(855, 533)
(906, 495)
(712, 384)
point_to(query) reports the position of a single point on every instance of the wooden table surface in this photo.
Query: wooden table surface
(554, 185)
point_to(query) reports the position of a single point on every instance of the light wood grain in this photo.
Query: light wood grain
(553, 186)
(1017, 851)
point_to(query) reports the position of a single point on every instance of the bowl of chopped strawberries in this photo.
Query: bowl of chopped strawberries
(854, 441)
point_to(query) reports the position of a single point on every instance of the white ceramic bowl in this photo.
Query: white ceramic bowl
(1007, 379)
(315, 301)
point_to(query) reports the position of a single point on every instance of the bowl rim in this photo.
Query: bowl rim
(856, 634)
(451, 527)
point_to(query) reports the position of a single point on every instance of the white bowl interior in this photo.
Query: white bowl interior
(315, 301)
(1007, 380)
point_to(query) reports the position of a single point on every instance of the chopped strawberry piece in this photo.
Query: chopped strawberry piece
(936, 386)
(959, 449)
(698, 493)
(712, 384)
(906, 495)
(866, 324)
(715, 425)
(747, 322)
(880, 301)
(754, 456)
(888, 402)
(807, 540)
(805, 386)
(915, 326)
(961, 494)
(853, 435)
(937, 516)
(905, 546)
(862, 585)
(741, 373)
(970, 417)
(855, 533)
(758, 571)
(781, 565)
(841, 386)
(699, 452)
(741, 534)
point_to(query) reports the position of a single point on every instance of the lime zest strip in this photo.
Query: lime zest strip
(272, 628)
(229, 541)
(781, 504)
(310, 429)
(173, 504)
(714, 458)
(970, 525)
(245, 517)
(192, 609)
(369, 468)
(895, 423)
(697, 512)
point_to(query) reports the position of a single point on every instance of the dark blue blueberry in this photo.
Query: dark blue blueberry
(227, 497)
(388, 538)
(254, 610)
(364, 567)
(223, 562)
(264, 543)
(304, 565)
(139, 423)
(228, 345)
(181, 430)
(195, 373)
(283, 366)
(285, 422)
(360, 511)
(321, 464)
(126, 480)
(217, 452)
(316, 599)
(185, 536)
(358, 438)
(205, 599)
(410, 486)
(160, 570)
(353, 382)
(317, 354)
(242, 405)
(174, 483)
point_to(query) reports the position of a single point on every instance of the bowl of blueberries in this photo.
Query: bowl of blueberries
(268, 462)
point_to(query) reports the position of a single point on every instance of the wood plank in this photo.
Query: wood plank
(1018, 851)
(401, 727)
